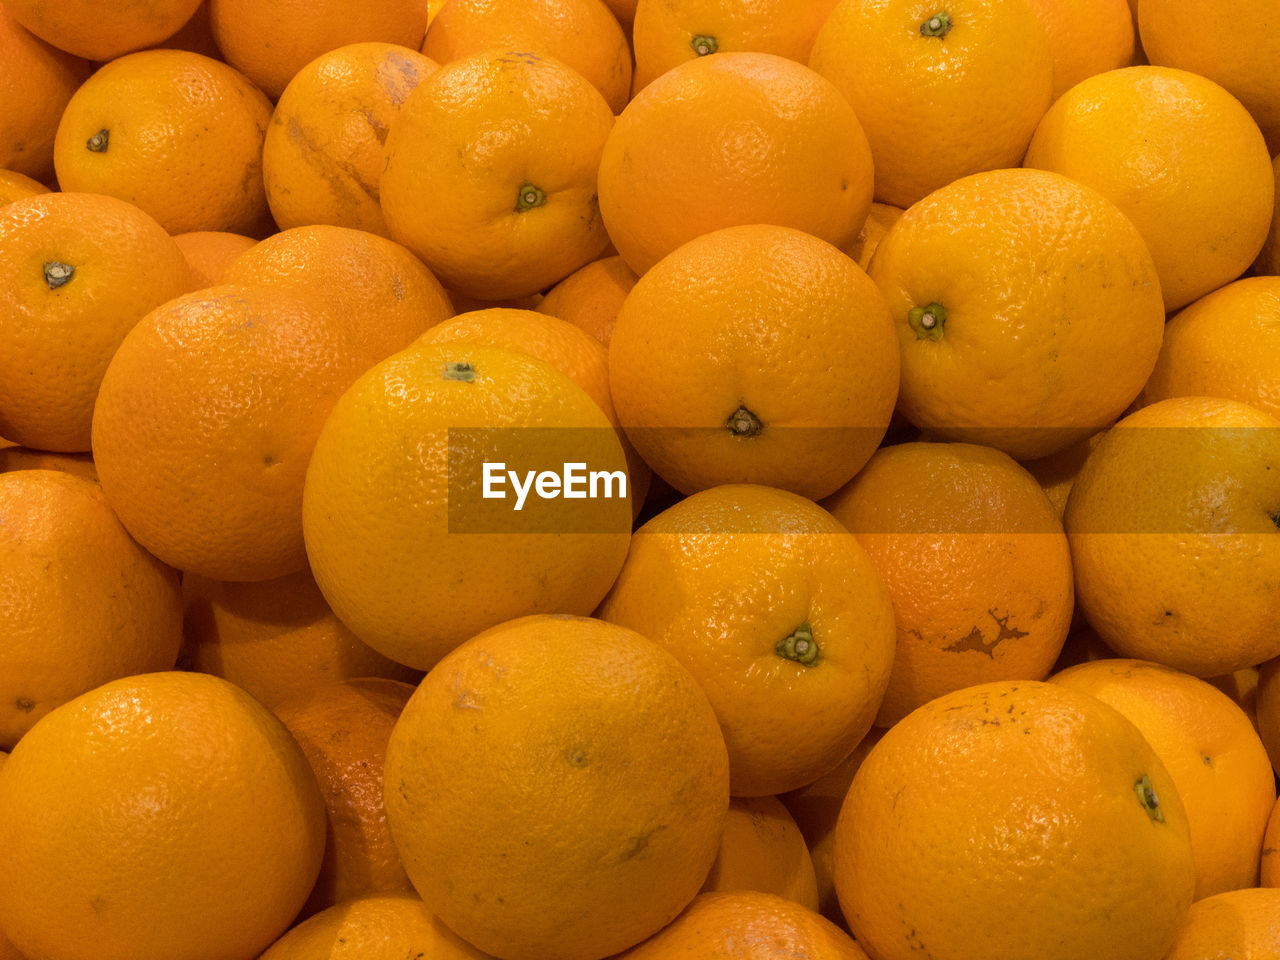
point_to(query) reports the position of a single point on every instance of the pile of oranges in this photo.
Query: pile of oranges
(657, 479)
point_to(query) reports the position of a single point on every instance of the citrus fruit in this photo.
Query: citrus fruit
(15, 186)
(210, 252)
(1267, 706)
(1085, 38)
(14, 457)
(1236, 925)
(1268, 262)
(99, 31)
(880, 218)
(591, 296)
(762, 849)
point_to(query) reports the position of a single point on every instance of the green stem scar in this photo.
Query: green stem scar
(98, 142)
(1147, 797)
(743, 423)
(57, 273)
(936, 26)
(927, 322)
(703, 44)
(529, 197)
(799, 646)
(459, 370)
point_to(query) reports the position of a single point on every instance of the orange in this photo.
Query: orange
(403, 543)
(666, 33)
(1180, 157)
(976, 563)
(80, 602)
(943, 89)
(373, 928)
(210, 252)
(738, 138)
(16, 186)
(270, 41)
(36, 81)
(14, 457)
(582, 34)
(1085, 38)
(747, 925)
(1010, 820)
(99, 31)
(1213, 754)
(1268, 262)
(755, 354)
(1176, 565)
(624, 10)
(200, 838)
(591, 296)
(174, 132)
(277, 639)
(779, 613)
(762, 849)
(323, 153)
(77, 271)
(206, 418)
(1027, 308)
(1226, 344)
(1058, 471)
(1237, 925)
(195, 35)
(1270, 873)
(880, 218)
(593, 832)
(343, 729)
(1267, 705)
(7, 950)
(1242, 687)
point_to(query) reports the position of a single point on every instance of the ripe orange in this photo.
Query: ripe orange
(322, 156)
(1057, 472)
(1180, 157)
(77, 271)
(1085, 38)
(14, 457)
(975, 560)
(1268, 262)
(513, 211)
(99, 31)
(624, 10)
(762, 849)
(593, 832)
(176, 133)
(210, 252)
(1267, 705)
(737, 138)
(881, 217)
(80, 602)
(1237, 925)
(1269, 875)
(1176, 567)
(16, 186)
(1011, 820)
(591, 296)
(942, 90)
(199, 839)
(1027, 307)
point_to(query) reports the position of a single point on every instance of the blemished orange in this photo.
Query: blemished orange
(36, 81)
(582, 34)
(15, 457)
(755, 354)
(594, 833)
(80, 602)
(1180, 157)
(880, 218)
(205, 421)
(77, 271)
(1027, 307)
(730, 139)
(401, 541)
(509, 213)
(1226, 344)
(210, 252)
(1267, 708)
(343, 729)
(1010, 820)
(176, 133)
(1085, 38)
(779, 613)
(591, 296)
(373, 928)
(1268, 262)
(666, 33)
(1236, 925)
(1176, 566)
(1207, 743)
(16, 186)
(747, 925)
(762, 849)
(200, 838)
(277, 639)
(270, 41)
(975, 560)
(99, 31)
(942, 90)
(323, 152)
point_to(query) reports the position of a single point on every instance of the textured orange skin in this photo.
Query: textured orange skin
(277, 639)
(1226, 344)
(270, 41)
(1001, 822)
(7, 950)
(663, 30)
(200, 838)
(591, 296)
(468, 142)
(343, 730)
(80, 602)
(581, 34)
(975, 560)
(323, 153)
(747, 925)
(55, 343)
(376, 502)
(1180, 157)
(735, 138)
(762, 849)
(185, 141)
(1057, 472)
(1085, 37)
(1180, 569)
(102, 31)
(16, 186)
(880, 218)
(720, 579)
(1207, 743)
(1053, 311)
(1268, 262)
(14, 457)
(210, 252)
(535, 796)
(937, 109)
(1236, 925)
